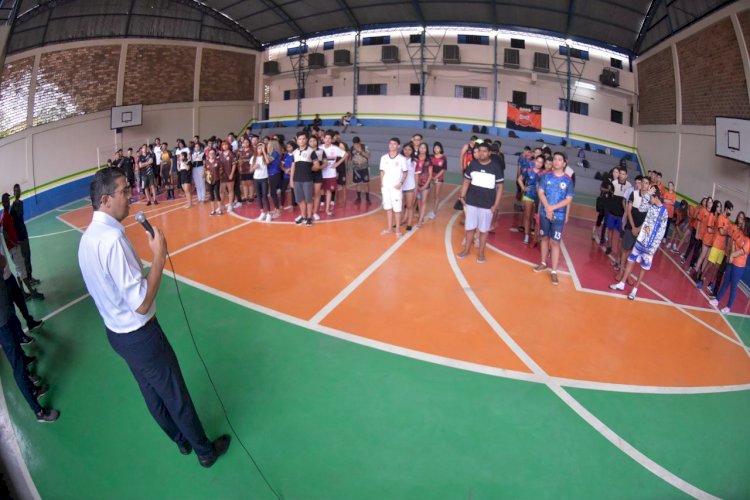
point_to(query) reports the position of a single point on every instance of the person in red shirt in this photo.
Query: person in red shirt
(716, 254)
(14, 248)
(740, 246)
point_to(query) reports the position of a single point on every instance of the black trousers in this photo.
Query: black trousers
(16, 296)
(10, 333)
(154, 365)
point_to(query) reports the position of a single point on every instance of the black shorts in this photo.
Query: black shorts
(185, 177)
(628, 240)
(214, 191)
(148, 180)
(341, 175)
(317, 177)
(361, 175)
(246, 177)
(165, 173)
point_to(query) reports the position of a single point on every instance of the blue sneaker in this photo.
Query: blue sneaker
(699, 285)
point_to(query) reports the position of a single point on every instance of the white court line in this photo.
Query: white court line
(664, 301)
(356, 282)
(558, 390)
(13, 451)
(51, 234)
(169, 208)
(209, 238)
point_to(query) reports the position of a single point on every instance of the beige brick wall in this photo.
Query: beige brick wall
(159, 74)
(227, 76)
(657, 102)
(14, 95)
(76, 82)
(712, 77)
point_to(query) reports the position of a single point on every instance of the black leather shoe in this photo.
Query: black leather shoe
(185, 448)
(221, 445)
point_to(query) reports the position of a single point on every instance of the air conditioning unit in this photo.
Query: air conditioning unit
(451, 54)
(342, 57)
(541, 62)
(271, 68)
(610, 77)
(316, 60)
(512, 59)
(389, 54)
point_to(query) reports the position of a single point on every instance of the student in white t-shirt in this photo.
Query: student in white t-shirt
(259, 169)
(335, 156)
(408, 190)
(393, 171)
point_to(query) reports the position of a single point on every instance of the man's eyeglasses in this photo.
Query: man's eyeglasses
(125, 191)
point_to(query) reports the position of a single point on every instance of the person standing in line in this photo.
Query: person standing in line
(480, 194)
(228, 162)
(17, 297)
(646, 245)
(198, 177)
(301, 174)
(128, 167)
(360, 166)
(737, 258)
(146, 162)
(126, 301)
(555, 191)
(10, 335)
(16, 211)
(393, 171)
(439, 167)
(11, 241)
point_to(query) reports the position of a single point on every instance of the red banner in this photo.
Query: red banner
(527, 118)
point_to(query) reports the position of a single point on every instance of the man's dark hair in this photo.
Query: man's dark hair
(483, 145)
(356, 139)
(6, 199)
(526, 148)
(396, 140)
(728, 205)
(561, 154)
(16, 186)
(330, 132)
(104, 182)
(418, 135)
(301, 133)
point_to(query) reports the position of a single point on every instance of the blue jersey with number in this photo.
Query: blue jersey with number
(556, 189)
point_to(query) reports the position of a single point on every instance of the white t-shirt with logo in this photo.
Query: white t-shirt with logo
(333, 153)
(262, 171)
(393, 169)
(410, 182)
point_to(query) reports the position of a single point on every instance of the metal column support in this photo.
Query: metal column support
(568, 103)
(495, 86)
(422, 77)
(301, 77)
(355, 75)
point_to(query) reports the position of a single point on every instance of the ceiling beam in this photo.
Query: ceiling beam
(418, 12)
(571, 10)
(348, 11)
(279, 11)
(646, 25)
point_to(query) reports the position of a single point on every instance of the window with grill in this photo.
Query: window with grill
(328, 91)
(519, 98)
(414, 89)
(293, 51)
(328, 45)
(471, 92)
(293, 93)
(616, 116)
(416, 37)
(372, 89)
(376, 40)
(474, 39)
(518, 43)
(577, 53)
(615, 63)
(580, 108)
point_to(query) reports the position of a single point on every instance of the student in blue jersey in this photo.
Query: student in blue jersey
(527, 182)
(648, 241)
(555, 190)
(480, 195)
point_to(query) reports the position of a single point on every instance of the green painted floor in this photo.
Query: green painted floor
(328, 419)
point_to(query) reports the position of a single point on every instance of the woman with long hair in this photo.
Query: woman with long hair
(212, 174)
(286, 166)
(740, 247)
(681, 227)
(408, 189)
(198, 176)
(527, 181)
(244, 158)
(259, 168)
(439, 163)
(317, 175)
(183, 172)
(423, 172)
(707, 237)
(228, 161)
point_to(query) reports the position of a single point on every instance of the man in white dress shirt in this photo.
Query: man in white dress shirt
(126, 300)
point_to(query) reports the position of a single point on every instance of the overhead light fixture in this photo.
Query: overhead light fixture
(585, 85)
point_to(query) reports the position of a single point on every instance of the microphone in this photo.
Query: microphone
(144, 222)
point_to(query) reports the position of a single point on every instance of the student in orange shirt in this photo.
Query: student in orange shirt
(716, 255)
(707, 229)
(738, 258)
(670, 197)
(700, 227)
(694, 216)
(682, 227)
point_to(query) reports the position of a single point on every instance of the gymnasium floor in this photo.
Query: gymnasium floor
(359, 366)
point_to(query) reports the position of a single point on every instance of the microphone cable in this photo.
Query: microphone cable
(210, 379)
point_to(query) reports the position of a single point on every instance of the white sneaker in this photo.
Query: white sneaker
(226, 206)
(261, 217)
(237, 204)
(713, 302)
(333, 203)
(268, 217)
(213, 212)
(725, 310)
(526, 239)
(617, 286)
(230, 210)
(431, 215)
(316, 217)
(633, 293)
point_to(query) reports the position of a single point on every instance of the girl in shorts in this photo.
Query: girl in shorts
(527, 181)
(286, 167)
(439, 163)
(244, 156)
(183, 172)
(212, 172)
(423, 172)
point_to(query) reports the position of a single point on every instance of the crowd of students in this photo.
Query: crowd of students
(312, 170)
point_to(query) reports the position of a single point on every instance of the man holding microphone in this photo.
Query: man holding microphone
(126, 300)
